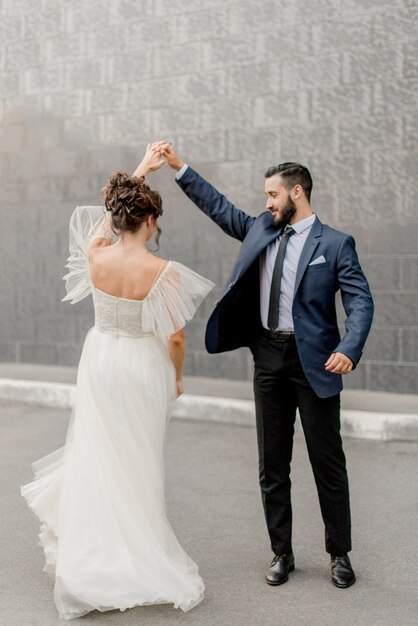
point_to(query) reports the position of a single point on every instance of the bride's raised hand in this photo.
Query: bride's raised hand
(152, 160)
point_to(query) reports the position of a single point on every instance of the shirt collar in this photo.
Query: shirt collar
(302, 225)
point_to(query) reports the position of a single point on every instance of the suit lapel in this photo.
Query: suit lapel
(308, 249)
(259, 237)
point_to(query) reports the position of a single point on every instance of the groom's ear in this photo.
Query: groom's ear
(297, 191)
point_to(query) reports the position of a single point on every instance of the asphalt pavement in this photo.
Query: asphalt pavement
(215, 507)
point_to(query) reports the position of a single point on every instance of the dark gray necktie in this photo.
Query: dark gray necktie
(273, 317)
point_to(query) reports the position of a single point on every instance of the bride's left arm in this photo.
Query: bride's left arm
(177, 351)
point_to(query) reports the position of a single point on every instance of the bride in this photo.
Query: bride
(100, 498)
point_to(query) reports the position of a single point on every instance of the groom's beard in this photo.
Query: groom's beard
(287, 211)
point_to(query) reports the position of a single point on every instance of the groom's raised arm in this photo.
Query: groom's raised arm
(232, 220)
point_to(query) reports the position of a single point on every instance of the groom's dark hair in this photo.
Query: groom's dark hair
(292, 174)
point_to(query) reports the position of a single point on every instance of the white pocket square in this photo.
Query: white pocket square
(318, 260)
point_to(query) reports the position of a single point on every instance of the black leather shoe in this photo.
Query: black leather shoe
(342, 574)
(280, 568)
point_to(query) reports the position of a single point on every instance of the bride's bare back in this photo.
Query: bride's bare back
(124, 272)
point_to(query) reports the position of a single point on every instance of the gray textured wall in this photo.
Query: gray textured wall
(237, 86)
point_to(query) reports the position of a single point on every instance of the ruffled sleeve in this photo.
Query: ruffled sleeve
(86, 223)
(173, 299)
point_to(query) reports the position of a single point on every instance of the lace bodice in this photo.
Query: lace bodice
(117, 315)
(170, 303)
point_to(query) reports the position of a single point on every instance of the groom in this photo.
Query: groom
(280, 302)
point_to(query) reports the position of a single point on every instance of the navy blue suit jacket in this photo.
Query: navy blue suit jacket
(236, 321)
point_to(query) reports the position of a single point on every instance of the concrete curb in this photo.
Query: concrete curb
(354, 423)
(38, 393)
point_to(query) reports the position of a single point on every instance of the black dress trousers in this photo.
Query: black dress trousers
(280, 387)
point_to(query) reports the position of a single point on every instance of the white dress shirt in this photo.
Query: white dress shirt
(290, 265)
(181, 171)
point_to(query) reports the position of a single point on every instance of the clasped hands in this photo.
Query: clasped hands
(156, 155)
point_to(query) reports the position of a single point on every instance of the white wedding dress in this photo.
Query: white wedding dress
(100, 498)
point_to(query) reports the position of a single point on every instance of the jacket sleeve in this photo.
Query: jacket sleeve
(357, 301)
(232, 220)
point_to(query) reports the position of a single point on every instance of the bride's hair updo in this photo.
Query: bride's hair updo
(131, 202)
